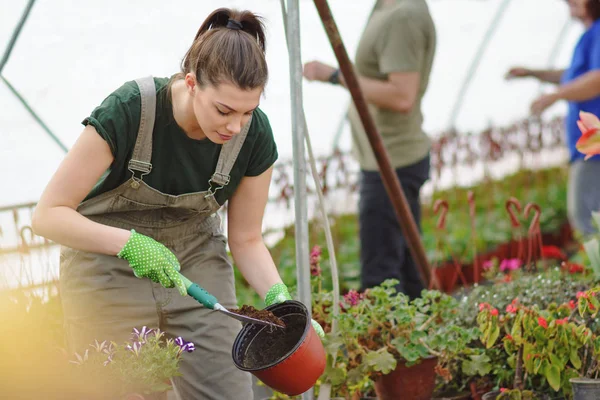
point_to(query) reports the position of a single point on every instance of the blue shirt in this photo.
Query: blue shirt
(586, 57)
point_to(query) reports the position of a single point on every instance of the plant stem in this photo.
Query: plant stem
(429, 349)
(518, 383)
(429, 320)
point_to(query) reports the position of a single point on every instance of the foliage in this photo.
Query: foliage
(544, 187)
(142, 365)
(380, 327)
(539, 342)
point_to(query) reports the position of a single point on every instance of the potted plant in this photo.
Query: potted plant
(587, 385)
(139, 369)
(393, 344)
(542, 344)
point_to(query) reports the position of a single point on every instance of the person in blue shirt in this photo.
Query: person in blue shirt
(579, 85)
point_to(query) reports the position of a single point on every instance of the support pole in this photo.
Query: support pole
(299, 161)
(390, 179)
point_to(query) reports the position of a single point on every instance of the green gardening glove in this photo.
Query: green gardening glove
(151, 259)
(280, 293)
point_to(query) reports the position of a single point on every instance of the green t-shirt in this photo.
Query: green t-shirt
(400, 37)
(179, 164)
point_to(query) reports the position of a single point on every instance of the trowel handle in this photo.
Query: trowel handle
(199, 293)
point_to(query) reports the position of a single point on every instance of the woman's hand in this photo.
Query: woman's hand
(280, 293)
(151, 259)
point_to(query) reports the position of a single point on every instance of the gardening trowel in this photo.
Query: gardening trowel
(209, 301)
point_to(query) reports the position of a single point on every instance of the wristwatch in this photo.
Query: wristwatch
(334, 78)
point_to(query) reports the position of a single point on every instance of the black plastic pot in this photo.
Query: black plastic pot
(585, 389)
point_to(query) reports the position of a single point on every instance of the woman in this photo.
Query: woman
(580, 86)
(137, 195)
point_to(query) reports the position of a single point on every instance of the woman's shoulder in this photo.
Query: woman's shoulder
(129, 92)
(260, 123)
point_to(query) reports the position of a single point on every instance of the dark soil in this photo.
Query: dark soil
(271, 345)
(263, 315)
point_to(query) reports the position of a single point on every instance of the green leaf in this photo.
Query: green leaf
(381, 361)
(494, 333)
(477, 365)
(592, 249)
(552, 373)
(336, 376)
(575, 360)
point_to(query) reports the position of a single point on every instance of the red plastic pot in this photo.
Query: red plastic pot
(416, 382)
(287, 360)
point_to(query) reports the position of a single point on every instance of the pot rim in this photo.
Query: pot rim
(286, 355)
(585, 381)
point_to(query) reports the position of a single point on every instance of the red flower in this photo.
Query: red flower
(502, 390)
(576, 268)
(553, 252)
(542, 322)
(572, 304)
(494, 312)
(509, 337)
(582, 294)
(484, 306)
(507, 278)
(511, 309)
(562, 321)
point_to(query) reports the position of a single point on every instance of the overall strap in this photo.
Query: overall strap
(142, 152)
(227, 157)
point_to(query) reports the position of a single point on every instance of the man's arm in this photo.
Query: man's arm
(398, 93)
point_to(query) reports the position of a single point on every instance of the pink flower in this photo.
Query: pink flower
(494, 312)
(352, 297)
(315, 259)
(511, 309)
(542, 322)
(510, 264)
(489, 264)
(483, 306)
(582, 294)
(589, 142)
(502, 390)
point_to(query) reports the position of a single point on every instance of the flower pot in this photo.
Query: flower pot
(416, 382)
(585, 389)
(287, 360)
(458, 396)
(491, 395)
(447, 276)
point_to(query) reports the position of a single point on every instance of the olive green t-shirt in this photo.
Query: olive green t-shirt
(399, 37)
(179, 164)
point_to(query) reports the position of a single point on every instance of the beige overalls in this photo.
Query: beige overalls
(102, 299)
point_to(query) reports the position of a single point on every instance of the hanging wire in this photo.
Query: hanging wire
(6, 56)
(34, 115)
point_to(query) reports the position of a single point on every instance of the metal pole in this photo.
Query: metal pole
(299, 161)
(390, 179)
(15, 35)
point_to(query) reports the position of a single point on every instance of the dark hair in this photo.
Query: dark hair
(234, 53)
(593, 9)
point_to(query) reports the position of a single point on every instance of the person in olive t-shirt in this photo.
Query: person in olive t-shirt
(393, 61)
(137, 196)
